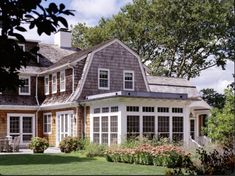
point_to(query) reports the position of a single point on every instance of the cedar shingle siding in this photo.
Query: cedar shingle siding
(116, 59)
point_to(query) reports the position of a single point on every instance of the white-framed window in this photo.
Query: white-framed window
(25, 89)
(47, 123)
(133, 126)
(164, 126)
(22, 46)
(148, 126)
(46, 85)
(128, 80)
(96, 130)
(62, 81)
(103, 78)
(54, 83)
(177, 128)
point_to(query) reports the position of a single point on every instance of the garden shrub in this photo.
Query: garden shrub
(38, 145)
(70, 144)
(93, 150)
(169, 156)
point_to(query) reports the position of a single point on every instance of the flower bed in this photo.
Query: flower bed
(167, 155)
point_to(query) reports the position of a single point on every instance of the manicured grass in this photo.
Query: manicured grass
(70, 164)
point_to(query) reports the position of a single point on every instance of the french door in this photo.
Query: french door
(21, 125)
(64, 125)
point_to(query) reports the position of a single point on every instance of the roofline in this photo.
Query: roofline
(171, 85)
(18, 107)
(59, 106)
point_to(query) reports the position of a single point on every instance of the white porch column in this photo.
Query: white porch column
(122, 124)
(186, 125)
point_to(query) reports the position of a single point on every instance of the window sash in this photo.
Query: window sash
(128, 80)
(103, 79)
(25, 89)
(46, 85)
(62, 81)
(47, 123)
(54, 83)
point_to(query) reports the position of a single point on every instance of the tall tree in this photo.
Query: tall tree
(213, 98)
(177, 38)
(221, 122)
(14, 15)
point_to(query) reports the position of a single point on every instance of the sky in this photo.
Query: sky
(90, 11)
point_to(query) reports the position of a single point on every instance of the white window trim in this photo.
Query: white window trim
(63, 90)
(55, 91)
(23, 45)
(43, 123)
(103, 88)
(46, 77)
(29, 78)
(133, 81)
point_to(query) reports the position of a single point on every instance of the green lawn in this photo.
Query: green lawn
(69, 164)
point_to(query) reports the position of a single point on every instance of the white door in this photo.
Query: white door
(64, 126)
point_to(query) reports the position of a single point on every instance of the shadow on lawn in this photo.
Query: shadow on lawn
(28, 159)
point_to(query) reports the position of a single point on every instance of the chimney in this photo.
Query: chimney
(63, 38)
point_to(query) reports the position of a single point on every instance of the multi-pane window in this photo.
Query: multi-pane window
(25, 88)
(177, 110)
(62, 81)
(148, 126)
(148, 109)
(96, 130)
(114, 109)
(54, 83)
(192, 128)
(163, 109)
(128, 80)
(47, 123)
(104, 129)
(133, 126)
(105, 109)
(177, 128)
(103, 79)
(46, 85)
(132, 108)
(163, 127)
(96, 110)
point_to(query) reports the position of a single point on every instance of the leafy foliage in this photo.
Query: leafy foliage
(70, 144)
(93, 150)
(213, 98)
(38, 145)
(174, 37)
(221, 122)
(14, 17)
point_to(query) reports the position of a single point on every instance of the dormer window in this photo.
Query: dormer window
(62, 81)
(103, 79)
(128, 80)
(46, 85)
(54, 83)
(25, 89)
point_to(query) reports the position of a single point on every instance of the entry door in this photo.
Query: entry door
(64, 126)
(21, 125)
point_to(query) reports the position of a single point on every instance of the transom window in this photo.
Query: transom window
(96, 110)
(46, 85)
(105, 109)
(177, 128)
(128, 80)
(47, 123)
(103, 79)
(25, 88)
(132, 108)
(163, 109)
(54, 83)
(148, 126)
(148, 109)
(177, 110)
(62, 81)
(133, 126)
(163, 127)
(114, 109)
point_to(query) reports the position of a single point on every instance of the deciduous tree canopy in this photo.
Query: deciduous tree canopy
(177, 38)
(14, 15)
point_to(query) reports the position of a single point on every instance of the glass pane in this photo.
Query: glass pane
(177, 124)
(27, 125)
(27, 138)
(133, 124)
(163, 124)
(96, 124)
(113, 138)
(113, 123)
(66, 122)
(14, 124)
(96, 138)
(148, 124)
(104, 124)
(104, 139)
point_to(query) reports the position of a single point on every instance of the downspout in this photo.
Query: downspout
(84, 126)
(36, 97)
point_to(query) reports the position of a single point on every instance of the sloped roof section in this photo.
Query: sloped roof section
(172, 85)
